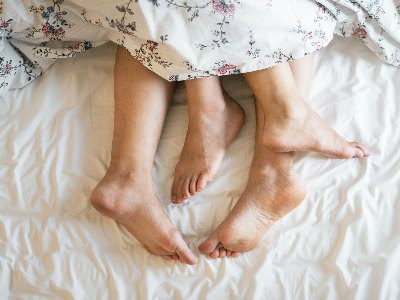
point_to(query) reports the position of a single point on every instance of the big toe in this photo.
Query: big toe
(361, 150)
(185, 255)
(353, 150)
(345, 150)
(210, 244)
(180, 189)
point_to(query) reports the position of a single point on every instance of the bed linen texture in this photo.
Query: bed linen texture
(182, 40)
(342, 242)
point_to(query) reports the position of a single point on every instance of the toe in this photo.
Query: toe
(175, 257)
(167, 257)
(185, 255)
(222, 252)
(185, 189)
(210, 244)
(343, 150)
(364, 149)
(192, 186)
(214, 254)
(352, 149)
(235, 254)
(201, 182)
(179, 190)
(174, 188)
(358, 153)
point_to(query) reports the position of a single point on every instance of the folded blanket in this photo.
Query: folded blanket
(185, 39)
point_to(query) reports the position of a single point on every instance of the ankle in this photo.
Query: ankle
(206, 113)
(266, 159)
(129, 173)
(124, 163)
(119, 192)
(285, 106)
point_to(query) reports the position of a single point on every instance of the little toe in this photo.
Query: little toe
(210, 244)
(167, 257)
(179, 190)
(235, 254)
(174, 188)
(228, 253)
(192, 186)
(175, 257)
(174, 197)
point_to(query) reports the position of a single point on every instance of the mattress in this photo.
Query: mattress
(342, 242)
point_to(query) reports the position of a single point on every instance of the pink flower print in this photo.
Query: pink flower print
(74, 47)
(4, 25)
(360, 32)
(324, 9)
(152, 46)
(222, 6)
(51, 31)
(225, 68)
(8, 68)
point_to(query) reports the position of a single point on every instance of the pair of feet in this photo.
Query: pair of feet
(272, 191)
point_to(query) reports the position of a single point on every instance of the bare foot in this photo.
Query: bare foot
(273, 190)
(298, 128)
(211, 130)
(130, 200)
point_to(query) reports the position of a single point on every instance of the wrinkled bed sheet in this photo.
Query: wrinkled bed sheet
(343, 242)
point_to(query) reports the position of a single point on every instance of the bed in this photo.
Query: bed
(343, 242)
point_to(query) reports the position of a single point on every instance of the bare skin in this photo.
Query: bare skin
(290, 123)
(126, 192)
(214, 121)
(273, 190)
(284, 124)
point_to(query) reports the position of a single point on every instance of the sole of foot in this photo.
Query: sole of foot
(273, 190)
(209, 135)
(133, 204)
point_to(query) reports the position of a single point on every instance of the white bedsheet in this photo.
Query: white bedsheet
(343, 242)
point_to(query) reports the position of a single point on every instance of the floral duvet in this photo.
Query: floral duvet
(186, 39)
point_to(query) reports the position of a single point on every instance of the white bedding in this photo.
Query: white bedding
(343, 242)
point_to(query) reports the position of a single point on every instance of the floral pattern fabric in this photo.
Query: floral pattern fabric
(185, 39)
(375, 22)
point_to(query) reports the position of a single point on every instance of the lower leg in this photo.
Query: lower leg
(290, 124)
(272, 191)
(126, 192)
(214, 121)
(302, 71)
